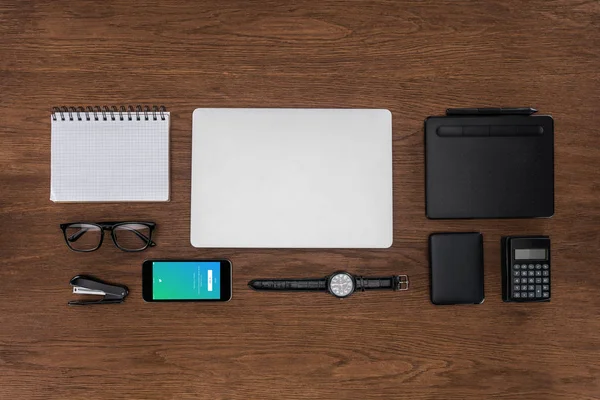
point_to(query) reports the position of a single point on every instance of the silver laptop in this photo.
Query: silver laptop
(291, 178)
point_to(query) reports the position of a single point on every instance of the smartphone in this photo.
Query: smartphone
(186, 280)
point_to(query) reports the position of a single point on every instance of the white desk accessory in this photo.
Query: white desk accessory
(291, 178)
(107, 155)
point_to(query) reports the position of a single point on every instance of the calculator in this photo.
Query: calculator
(526, 268)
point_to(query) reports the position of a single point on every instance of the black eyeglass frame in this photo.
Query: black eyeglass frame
(110, 226)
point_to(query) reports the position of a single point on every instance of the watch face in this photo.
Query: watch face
(341, 284)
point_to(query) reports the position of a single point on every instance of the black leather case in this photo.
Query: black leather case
(456, 261)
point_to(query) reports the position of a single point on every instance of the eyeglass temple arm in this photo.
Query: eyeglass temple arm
(74, 237)
(142, 236)
(77, 235)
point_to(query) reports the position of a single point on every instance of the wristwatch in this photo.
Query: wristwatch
(340, 284)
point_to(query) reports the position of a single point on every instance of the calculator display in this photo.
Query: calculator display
(530, 254)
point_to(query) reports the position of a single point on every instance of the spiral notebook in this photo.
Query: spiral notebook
(102, 154)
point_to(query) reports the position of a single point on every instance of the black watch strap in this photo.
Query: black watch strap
(288, 284)
(396, 282)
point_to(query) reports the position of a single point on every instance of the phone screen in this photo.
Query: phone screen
(199, 280)
(186, 280)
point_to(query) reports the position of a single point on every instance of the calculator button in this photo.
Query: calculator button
(530, 266)
(531, 295)
(538, 280)
(530, 280)
(545, 266)
(531, 273)
(524, 266)
(545, 273)
(545, 295)
(545, 288)
(517, 273)
(545, 280)
(530, 287)
(516, 288)
(538, 266)
(517, 280)
(538, 291)
(517, 295)
(538, 273)
(516, 266)
(523, 280)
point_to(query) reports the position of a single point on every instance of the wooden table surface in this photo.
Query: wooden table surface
(413, 58)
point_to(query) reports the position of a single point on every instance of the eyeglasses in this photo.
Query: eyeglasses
(127, 236)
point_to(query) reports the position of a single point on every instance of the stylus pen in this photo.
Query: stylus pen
(491, 111)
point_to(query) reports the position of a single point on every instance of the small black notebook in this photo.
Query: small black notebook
(489, 166)
(456, 261)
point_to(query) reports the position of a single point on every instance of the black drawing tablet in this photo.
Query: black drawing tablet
(489, 166)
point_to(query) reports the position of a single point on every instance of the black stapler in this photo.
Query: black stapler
(91, 286)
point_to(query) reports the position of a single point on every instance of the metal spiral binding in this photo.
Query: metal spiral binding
(106, 113)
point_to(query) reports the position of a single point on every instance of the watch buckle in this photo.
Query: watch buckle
(402, 282)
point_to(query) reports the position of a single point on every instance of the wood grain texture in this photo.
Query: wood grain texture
(414, 58)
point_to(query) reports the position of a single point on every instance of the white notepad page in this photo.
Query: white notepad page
(109, 161)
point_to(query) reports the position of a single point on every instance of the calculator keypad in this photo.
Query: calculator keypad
(530, 282)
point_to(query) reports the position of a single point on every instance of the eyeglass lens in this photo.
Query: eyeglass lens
(83, 237)
(132, 237)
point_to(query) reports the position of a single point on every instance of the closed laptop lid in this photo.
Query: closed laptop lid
(292, 178)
